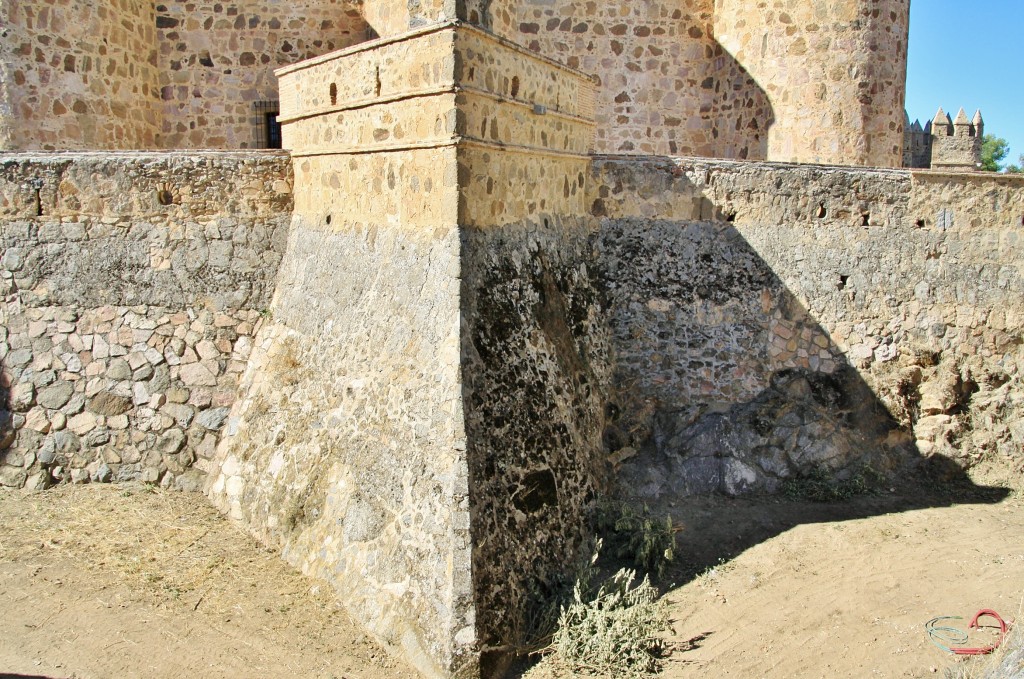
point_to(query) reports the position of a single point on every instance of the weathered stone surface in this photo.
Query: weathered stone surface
(108, 403)
(36, 420)
(464, 333)
(12, 477)
(22, 397)
(213, 418)
(449, 234)
(56, 396)
(171, 441)
(197, 374)
(723, 276)
(162, 73)
(86, 351)
(119, 370)
(83, 423)
(804, 420)
(190, 481)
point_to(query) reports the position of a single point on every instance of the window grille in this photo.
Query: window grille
(268, 130)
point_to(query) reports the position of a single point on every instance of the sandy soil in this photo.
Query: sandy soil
(105, 581)
(111, 582)
(850, 598)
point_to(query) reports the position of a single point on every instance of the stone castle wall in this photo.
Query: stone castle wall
(666, 86)
(797, 83)
(133, 287)
(534, 349)
(436, 265)
(834, 74)
(78, 75)
(770, 318)
(349, 452)
(134, 74)
(216, 60)
(492, 324)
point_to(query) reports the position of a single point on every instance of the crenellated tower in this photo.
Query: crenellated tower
(956, 143)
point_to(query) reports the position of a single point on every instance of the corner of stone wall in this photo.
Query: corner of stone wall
(424, 402)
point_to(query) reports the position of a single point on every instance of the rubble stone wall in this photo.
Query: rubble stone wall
(217, 60)
(133, 287)
(749, 301)
(665, 85)
(535, 357)
(534, 346)
(78, 75)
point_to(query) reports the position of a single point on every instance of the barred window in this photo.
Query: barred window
(268, 130)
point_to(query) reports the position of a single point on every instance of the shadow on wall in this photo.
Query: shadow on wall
(741, 114)
(724, 383)
(7, 433)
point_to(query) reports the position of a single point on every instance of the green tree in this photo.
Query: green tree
(1016, 169)
(993, 150)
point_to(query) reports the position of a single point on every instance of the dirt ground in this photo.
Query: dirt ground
(107, 581)
(114, 582)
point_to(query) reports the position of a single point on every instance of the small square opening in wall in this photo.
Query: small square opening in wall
(268, 129)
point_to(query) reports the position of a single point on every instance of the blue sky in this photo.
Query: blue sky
(969, 53)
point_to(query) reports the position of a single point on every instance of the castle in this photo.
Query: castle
(795, 82)
(518, 255)
(944, 143)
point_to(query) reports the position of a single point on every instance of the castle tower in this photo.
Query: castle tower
(834, 74)
(917, 144)
(956, 143)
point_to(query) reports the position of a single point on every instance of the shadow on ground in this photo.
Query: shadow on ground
(714, 529)
(728, 387)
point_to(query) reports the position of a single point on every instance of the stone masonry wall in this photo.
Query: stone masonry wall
(834, 72)
(665, 85)
(77, 74)
(767, 319)
(349, 448)
(437, 264)
(797, 81)
(217, 59)
(133, 287)
(535, 350)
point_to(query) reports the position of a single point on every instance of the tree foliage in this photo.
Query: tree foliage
(1013, 168)
(993, 150)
